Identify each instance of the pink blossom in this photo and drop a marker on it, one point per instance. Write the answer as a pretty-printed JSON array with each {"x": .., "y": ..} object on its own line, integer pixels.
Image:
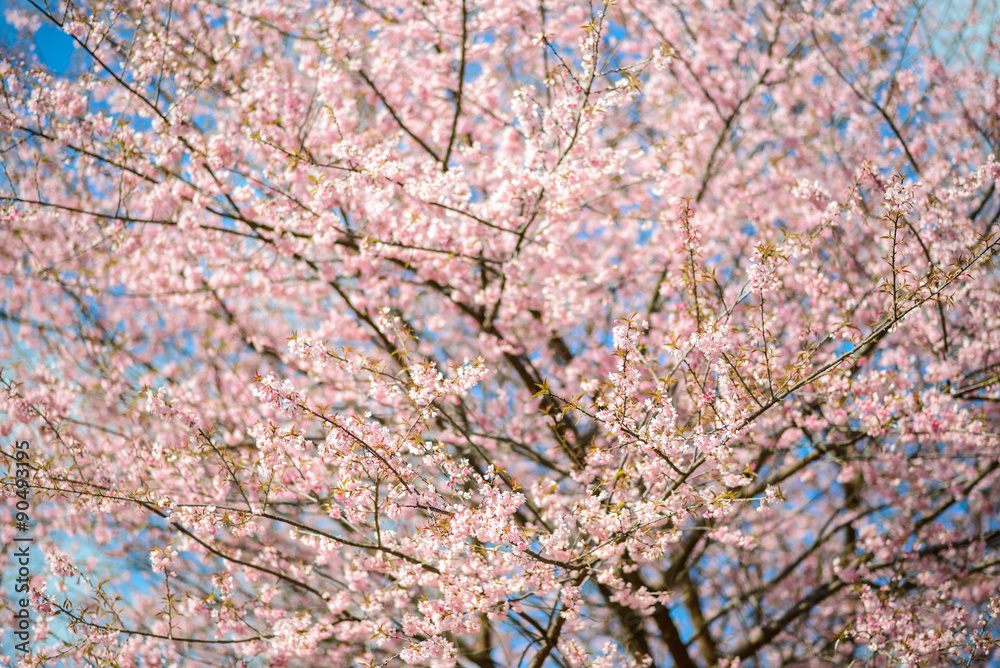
[{"x": 440, "y": 333}]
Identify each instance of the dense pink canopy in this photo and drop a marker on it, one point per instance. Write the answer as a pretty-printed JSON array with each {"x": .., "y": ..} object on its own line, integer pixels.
[{"x": 443, "y": 332}]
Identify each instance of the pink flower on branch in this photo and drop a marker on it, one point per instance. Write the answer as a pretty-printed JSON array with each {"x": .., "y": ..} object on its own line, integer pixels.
[{"x": 458, "y": 333}]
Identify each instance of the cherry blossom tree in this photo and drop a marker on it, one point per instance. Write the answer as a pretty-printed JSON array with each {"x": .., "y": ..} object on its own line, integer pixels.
[{"x": 489, "y": 334}]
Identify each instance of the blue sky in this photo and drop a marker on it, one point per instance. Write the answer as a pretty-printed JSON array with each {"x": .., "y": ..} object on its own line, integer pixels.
[{"x": 53, "y": 47}]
